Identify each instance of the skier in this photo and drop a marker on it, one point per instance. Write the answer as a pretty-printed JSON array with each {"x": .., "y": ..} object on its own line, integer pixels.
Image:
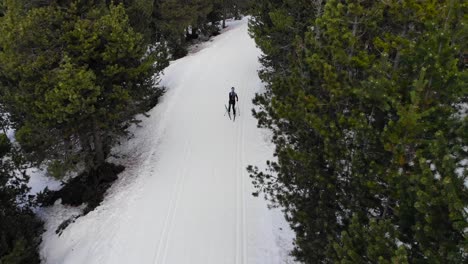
[{"x": 232, "y": 101}]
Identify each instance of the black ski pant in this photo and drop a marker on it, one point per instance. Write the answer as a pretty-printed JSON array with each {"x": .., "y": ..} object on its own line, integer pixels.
[{"x": 233, "y": 107}]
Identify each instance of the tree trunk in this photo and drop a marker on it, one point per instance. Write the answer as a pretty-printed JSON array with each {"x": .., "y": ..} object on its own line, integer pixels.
[
  {"x": 98, "y": 146},
  {"x": 224, "y": 19},
  {"x": 86, "y": 149},
  {"x": 224, "y": 14}
]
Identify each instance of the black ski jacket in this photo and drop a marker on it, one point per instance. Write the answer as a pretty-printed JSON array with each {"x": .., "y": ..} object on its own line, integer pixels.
[{"x": 233, "y": 97}]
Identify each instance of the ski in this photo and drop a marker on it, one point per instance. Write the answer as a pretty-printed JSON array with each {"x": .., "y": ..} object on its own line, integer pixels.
[{"x": 227, "y": 111}]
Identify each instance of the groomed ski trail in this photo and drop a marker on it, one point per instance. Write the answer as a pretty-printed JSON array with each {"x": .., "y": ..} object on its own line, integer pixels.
[{"x": 185, "y": 196}]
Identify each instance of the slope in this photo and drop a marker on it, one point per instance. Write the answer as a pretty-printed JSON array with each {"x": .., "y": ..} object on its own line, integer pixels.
[{"x": 185, "y": 196}]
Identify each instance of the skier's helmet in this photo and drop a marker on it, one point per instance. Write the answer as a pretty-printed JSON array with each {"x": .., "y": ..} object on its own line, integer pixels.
[{"x": 232, "y": 89}]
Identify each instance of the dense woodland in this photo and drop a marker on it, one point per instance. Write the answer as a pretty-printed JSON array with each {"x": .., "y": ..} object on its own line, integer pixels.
[
  {"x": 73, "y": 75},
  {"x": 367, "y": 104},
  {"x": 364, "y": 98}
]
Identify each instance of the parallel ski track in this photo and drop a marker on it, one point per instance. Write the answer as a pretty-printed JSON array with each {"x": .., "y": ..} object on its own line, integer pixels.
[
  {"x": 184, "y": 197},
  {"x": 171, "y": 213},
  {"x": 241, "y": 244},
  {"x": 188, "y": 153},
  {"x": 163, "y": 243},
  {"x": 242, "y": 181}
]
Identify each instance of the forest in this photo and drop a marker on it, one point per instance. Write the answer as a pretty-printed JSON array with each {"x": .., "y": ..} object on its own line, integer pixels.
[
  {"x": 73, "y": 75},
  {"x": 366, "y": 101}
]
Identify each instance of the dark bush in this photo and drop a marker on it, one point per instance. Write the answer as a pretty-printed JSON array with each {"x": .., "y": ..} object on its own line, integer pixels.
[
  {"x": 88, "y": 187},
  {"x": 5, "y": 145}
]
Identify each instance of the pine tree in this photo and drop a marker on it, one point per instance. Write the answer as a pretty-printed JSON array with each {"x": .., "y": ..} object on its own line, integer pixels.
[
  {"x": 177, "y": 22},
  {"x": 19, "y": 227},
  {"x": 73, "y": 81},
  {"x": 139, "y": 13},
  {"x": 2, "y": 8},
  {"x": 362, "y": 99},
  {"x": 180, "y": 21}
]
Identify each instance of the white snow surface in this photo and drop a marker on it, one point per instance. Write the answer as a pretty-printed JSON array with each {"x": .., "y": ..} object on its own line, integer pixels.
[
  {"x": 185, "y": 196},
  {"x": 39, "y": 180}
]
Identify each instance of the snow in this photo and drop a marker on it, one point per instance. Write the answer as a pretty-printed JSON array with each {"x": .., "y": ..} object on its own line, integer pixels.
[
  {"x": 39, "y": 180},
  {"x": 185, "y": 196},
  {"x": 38, "y": 177}
]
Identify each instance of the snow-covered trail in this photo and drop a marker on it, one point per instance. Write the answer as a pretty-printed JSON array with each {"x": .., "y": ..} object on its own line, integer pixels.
[{"x": 185, "y": 196}]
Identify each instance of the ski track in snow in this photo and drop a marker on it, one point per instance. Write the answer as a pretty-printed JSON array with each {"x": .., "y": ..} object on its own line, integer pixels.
[{"x": 185, "y": 196}]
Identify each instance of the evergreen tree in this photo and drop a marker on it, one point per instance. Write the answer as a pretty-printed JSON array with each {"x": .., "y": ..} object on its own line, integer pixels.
[
  {"x": 139, "y": 14},
  {"x": 177, "y": 22},
  {"x": 73, "y": 81},
  {"x": 362, "y": 100},
  {"x": 2, "y": 8},
  {"x": 19, "y": 227},
  {"x": 180, "y": 21}
]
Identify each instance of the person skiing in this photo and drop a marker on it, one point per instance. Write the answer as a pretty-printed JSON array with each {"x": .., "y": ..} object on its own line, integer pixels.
[{"x": 232, "y": 101}]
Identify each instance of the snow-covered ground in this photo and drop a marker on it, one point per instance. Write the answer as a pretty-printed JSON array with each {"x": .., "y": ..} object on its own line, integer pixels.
[
  {"x": 185, "y": 196},
  {"x": 38, "y": 181},
  {"x": 38, "y": 177}
]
